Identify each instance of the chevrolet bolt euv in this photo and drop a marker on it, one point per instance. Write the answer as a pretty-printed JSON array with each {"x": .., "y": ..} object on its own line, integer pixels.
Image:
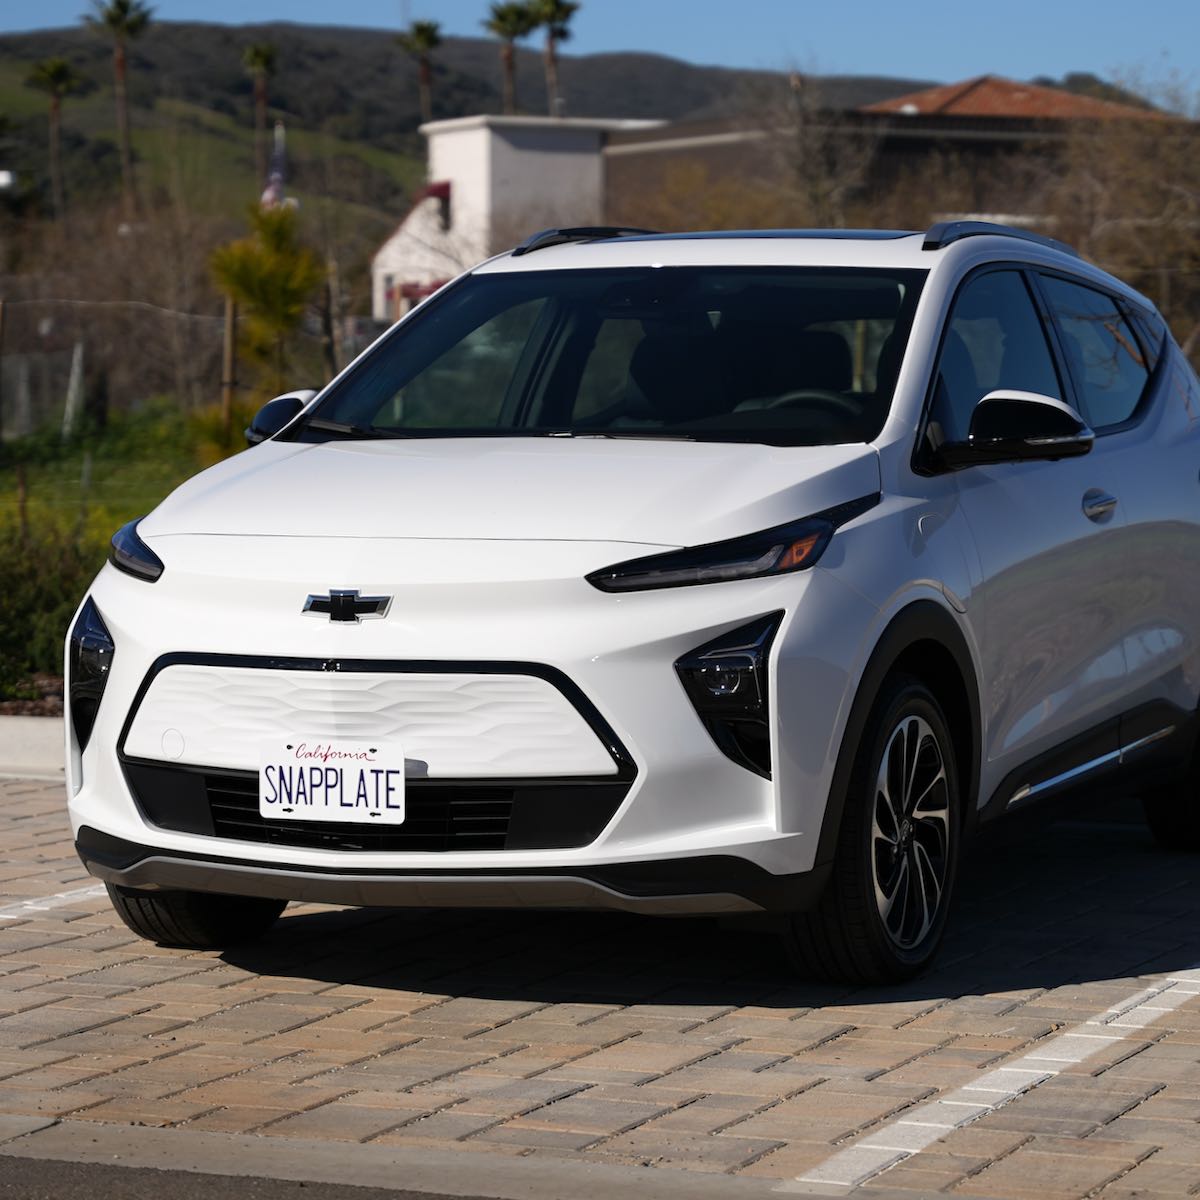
[{"x": 681, "y": 574}]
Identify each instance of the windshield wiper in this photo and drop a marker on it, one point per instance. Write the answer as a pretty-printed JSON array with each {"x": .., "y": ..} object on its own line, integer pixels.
[
  {"x": 350, "y": 430},
  {"x": 653, "y": 435}
]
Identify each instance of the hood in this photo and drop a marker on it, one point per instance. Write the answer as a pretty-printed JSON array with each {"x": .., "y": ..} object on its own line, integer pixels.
[{"x": 522, "y": 489}]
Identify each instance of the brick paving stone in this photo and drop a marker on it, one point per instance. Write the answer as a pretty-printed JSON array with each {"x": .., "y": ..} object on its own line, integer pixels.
[
  {"x": 694, "y": 1152},
  {"x": 926, "y": 1176},
  {"x": 1154, "y": 1176},
  {"x": 589, "y": 1037},
  {"x": 143, "y": 1110},
  {"x": 1072, "y": 1105},
  {"x": 450, "y": 1125},
  {"x": 336, "y": 1121},
  {"x": 791, "y": 1160},
  {"x": 48, "y": 1104},
  {"x": 820, "y": 1114},
  {"x": 1028, "y": 1172},
  {"x": 583, "y": 1113},
  {"x": 516, "y": 1133}
]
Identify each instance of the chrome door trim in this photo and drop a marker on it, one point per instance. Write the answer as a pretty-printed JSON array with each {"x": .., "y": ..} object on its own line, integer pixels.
[{"x": 1028, "y": 791}]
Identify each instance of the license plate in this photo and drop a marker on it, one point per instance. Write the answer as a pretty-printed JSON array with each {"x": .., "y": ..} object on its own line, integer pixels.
[{"x": 323, "y": 779}]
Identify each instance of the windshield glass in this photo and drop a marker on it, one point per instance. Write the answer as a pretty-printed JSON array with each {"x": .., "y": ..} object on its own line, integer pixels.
[{"x": 785, "y": 356}]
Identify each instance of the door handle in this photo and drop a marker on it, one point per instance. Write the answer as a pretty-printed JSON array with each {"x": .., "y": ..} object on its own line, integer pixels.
[{"x": 1097, "y": 505}]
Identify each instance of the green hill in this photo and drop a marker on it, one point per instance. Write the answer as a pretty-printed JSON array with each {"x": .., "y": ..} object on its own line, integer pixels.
[{"x": 348, "y": 97}]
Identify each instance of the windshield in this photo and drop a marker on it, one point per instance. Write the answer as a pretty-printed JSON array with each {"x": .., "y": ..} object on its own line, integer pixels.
[{"x": 784, "y": 356}]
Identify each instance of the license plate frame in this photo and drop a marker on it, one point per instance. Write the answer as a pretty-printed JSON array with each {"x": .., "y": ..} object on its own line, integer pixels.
[{"x": 338, "y": 781}]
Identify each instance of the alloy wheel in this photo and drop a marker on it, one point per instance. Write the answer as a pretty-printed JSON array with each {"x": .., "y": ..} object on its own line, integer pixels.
[{"x": 910, "y": 833}]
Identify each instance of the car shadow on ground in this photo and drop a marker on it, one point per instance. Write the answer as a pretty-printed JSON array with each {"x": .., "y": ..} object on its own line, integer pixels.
[{"x": 1043, "y": 905}]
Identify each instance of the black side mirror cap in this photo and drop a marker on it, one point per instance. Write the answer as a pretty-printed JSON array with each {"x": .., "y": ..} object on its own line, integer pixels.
[
  {"x": 276, "y": 415},
  {"x": 1012, "y": 426}
]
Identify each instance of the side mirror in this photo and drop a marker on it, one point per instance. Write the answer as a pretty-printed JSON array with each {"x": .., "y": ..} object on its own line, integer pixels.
[
  {"x": 275, "y": 414},
  {"x": 1010, "y": 426}
]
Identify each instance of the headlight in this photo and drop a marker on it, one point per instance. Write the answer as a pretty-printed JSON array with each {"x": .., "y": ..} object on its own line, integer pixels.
[
  {"x": 89, "y": 662},
  {"x": 792, "y": 547},
  {"x": 127, "y": 552},
  {"x": 726, "y": 681}
]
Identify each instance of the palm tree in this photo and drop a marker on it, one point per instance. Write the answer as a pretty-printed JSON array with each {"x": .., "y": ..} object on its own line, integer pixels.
[
  {"x": 419, "y": 41},
  {"x": 58, "y": 79},
  {"x": 122, "y": 21},
  {"x": 510, "y": 21},
  {"x": 259, "y": 60},
  {"x": 555, "y": 17}
]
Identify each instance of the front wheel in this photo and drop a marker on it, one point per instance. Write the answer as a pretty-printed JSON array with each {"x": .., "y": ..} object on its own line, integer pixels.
[
  {"x": 194, "y": 920},
  {"x": 882, "y": 916}
]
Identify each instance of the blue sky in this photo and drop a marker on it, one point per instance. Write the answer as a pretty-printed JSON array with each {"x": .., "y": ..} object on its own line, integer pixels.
[{"x": 933, "y": 39}]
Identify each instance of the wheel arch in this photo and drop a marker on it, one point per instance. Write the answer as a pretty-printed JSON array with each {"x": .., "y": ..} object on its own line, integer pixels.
[{"x": 923, "y": 640}]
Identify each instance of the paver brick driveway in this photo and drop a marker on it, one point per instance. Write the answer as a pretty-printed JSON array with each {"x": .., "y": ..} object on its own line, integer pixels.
[{"x": 676, "y": 1044}]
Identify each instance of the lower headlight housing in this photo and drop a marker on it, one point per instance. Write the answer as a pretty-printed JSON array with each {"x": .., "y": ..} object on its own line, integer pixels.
[
  {"x": 726, "y": 681},
  {"x": 90, "y": 659}
]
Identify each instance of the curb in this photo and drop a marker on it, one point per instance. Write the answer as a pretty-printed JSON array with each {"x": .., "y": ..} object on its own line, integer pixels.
[
  {"x": 32, "y": 747},
  {"x": 419, "y": 1169}
]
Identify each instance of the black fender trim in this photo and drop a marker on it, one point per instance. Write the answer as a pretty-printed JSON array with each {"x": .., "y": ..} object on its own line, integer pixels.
[{"x": 921, "y": 621}]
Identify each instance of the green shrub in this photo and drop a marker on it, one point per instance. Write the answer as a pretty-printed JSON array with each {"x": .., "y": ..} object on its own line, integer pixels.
[
  {"x": 45, "y": 576},
  {"x": 78, "y": 493}
]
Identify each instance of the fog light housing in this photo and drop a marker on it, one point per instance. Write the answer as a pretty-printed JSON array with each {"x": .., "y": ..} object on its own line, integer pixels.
[
  {"x": 726, "y": 681},
  {"x": 89, "y": 662}
]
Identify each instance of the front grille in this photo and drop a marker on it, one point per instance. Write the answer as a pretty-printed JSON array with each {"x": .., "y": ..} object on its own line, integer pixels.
[{"x": 440, "y": 815}]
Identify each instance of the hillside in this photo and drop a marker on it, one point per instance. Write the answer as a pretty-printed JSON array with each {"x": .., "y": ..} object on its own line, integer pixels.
[{"x": 349, "y": 98}]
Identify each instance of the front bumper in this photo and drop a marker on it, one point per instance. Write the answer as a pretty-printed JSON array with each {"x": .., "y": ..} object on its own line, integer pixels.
[
  {"x": 684, "y": 801},
  {"x": 711, "y": 884}
]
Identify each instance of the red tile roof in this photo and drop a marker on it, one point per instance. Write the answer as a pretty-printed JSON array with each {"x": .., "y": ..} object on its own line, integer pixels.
[{"x": 993, "y": 96}]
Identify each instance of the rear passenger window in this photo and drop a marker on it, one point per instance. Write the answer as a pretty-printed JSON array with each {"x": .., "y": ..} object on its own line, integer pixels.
[
  {"x": 1105, "y": 356},
  {"x": 994, "y": 340}
]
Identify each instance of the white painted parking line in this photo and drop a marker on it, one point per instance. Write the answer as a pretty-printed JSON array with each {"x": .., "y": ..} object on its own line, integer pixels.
[
  {"x": 920, "y": 1127},
  {"x": 25, "y": 909}
]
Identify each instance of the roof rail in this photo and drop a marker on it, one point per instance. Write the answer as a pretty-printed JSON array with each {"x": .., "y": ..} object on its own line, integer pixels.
[
  {"x": 583, "y": 233},
  {"x": 945, "y": 232}
]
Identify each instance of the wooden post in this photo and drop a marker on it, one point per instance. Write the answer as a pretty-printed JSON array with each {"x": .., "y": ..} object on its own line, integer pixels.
[
  {"x": 1, "y": 368},
  {"x": 22, "y": 505},
  {"x": 228, "y": 370}
]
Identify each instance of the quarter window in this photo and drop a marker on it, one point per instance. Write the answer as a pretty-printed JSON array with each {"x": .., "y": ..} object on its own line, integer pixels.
[
  {"x": 1104, "y": 355},
  {"x": 995, "y": 339}
]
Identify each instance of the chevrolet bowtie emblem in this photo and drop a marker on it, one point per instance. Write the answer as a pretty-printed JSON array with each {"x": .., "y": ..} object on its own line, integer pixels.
[{"x": 341, "y": 605}]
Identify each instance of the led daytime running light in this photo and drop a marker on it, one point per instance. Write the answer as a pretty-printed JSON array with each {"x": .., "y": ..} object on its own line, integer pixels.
[{"x": 792, "y": 547}]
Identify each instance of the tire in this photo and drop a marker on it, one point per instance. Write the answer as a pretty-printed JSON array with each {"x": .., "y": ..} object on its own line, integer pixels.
[
  {"x": 1173, "y": 812},
  {"x": 194, "y": 920},
  {"x": 883, "y": 913}
]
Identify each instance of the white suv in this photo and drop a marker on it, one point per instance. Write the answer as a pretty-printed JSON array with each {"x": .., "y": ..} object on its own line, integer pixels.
[{"x": 700, "y": 573}]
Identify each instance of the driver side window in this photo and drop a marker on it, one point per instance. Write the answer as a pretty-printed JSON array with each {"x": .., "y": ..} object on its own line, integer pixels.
[{"x": 994, "y": 339}]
